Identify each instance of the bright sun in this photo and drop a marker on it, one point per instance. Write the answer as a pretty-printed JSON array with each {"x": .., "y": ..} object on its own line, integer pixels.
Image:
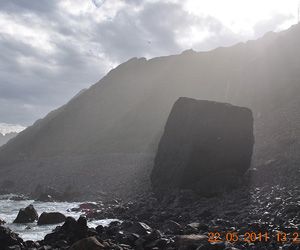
[{"x": 242, "y": 15}]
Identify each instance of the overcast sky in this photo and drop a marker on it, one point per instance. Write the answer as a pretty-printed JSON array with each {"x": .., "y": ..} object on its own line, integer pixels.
[{"x": 51, "y": 49}]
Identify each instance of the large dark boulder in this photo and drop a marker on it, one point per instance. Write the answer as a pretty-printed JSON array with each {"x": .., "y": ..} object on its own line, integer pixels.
[
  {"x": 206, "y": 146},
  {"x": 51, "y": 218},
  {"x": 26, "y": 215}
]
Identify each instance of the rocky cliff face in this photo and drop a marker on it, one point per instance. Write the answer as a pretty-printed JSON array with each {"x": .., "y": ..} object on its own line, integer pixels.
[
  {"x": 206, "y": 146},
  {"x": 127, "y": 109}
]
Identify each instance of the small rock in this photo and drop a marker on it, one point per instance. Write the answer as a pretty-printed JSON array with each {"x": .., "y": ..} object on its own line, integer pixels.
[{"x": 26, "y": 215}]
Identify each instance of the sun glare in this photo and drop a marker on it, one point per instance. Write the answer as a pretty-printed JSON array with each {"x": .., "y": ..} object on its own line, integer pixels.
[{"x": 240, "y": 16}]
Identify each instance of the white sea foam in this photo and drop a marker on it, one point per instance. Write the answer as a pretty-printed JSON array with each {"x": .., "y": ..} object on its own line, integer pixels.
[{"x": 31, "y": 231}]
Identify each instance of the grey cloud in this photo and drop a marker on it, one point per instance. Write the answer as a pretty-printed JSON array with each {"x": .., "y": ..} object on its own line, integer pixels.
[
  {"x": 161, "y": 20},
  {"x": 155, "y": 30},
  {"x": 46, "y": 81},
  {"x": 134, "y": 2},
  {"x": 11, "y": 50},
  {"x": 20, "y": 6},
  {"x": 150, "y": 31},
  {"x": 11, "y": 112}
]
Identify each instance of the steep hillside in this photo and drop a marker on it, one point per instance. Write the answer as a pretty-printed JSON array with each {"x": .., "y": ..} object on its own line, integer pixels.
[{"x": 127, "y": 109}]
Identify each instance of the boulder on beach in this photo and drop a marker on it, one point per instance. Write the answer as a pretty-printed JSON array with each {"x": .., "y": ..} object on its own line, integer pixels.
[
  {"x": 51, "y": 218},
  {"x": 206, "y": 146},
  {"x": 26, "y": 215}
]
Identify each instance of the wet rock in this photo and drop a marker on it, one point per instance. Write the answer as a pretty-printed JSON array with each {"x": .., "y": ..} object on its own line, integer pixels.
[
  {"x": 90, "y": 243},
  {"x": 206, "y": 147},
  {"x": 2, "y": 222},
  {"x": 51, "y": 218},
  {"x": 80, "y": 229},
  {"x": 26, "y": 215},
  {"x": 71, "y": 231},
  {"x": 68, "y": 226},
  {"x": 9, "y": 238},
  {"x": 100, "y": 229}
]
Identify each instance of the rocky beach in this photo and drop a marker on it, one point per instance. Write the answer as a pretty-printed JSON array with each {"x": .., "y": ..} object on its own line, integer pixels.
[
  {"x": 263, "y": 213},
  {"x": 256, "y": 209}
]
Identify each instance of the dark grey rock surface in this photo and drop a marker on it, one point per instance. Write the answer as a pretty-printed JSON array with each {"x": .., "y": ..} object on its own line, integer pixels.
[{"x": 205, "y": 146}]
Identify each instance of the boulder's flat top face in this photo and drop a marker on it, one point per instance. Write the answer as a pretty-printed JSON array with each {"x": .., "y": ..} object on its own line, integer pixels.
[{"x": 203, "y": 142}]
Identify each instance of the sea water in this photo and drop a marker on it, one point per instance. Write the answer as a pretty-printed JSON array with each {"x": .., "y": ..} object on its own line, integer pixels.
[{"x": 9, "y": 210}]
